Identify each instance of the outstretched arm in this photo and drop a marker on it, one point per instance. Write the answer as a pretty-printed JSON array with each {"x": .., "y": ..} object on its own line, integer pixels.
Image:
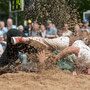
[
  {"x": 42, "y": 57},
  {"x": 68, "y": 51}
]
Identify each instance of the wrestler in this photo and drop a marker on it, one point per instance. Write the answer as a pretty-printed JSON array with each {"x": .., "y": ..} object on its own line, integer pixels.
[
  {"x": 11, "y": 52},
  {"x": 80, "y": 51}
]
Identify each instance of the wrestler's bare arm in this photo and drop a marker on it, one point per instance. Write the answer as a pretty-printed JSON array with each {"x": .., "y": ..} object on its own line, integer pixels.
[{"x": 68, "y": 51}]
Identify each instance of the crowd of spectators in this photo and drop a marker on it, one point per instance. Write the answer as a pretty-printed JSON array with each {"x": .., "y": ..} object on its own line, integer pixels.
[{"x": 46, "y": 31}]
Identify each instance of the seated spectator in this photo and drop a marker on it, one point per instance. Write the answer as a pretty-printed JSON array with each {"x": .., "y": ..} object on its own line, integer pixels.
[
  {"x": 53, "y": 25},
  {"x": 10, "y": 24},
  {"x": 66, "y": 31},
  {"x": 3, "y": 29},
  {"x": 60, "y": 31},
  {"x": 43, "y": 31},
  {"x": 76, "y": 30},
  {"x": 28, "y": 29},
  {"x": 81, "y": 25},
  {"x": 2, "y": 42},
  {"x": 1, "y": 50},
  {"x": 35, "y": 30},
  {"x": 51, "y": 31},
  {"x": 2, "y": 45},
  {"x": 86, "y": 26},
  {"x": 20, "y": 28}
]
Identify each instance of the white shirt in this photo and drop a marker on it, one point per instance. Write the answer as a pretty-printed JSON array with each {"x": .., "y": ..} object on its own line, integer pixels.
[
  {"x": 67, "y": 34},
  {"x": 43, "y": 34},
  {"x": 84, "y": 52}
]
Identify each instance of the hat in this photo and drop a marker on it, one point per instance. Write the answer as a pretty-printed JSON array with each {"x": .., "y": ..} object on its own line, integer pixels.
[
  {"x": 29, "y": 21},
  {"x": 86, "y": 21}
]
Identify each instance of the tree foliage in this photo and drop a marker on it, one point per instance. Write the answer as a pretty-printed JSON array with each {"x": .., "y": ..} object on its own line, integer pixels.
[{"x": 4, "y": 9}]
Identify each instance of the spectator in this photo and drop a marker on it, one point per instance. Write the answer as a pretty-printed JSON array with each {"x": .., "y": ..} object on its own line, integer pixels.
[
  {"x": 76, "y": 30},
  {"x": 20, "y": 28},
  {"x": 81, "y": 25},
  {"x": 28, "y": 29},
  {"x": 3, "y": 29},
  {"x": 10, "y": 24},
  {"x": 2, "y": 42},
  {"x": 53, "y": 25},
  {"x": 43, "y": 31},
  {"x": 66, "y": 31},
  {"x": 51, "y": 31},
  {"x": 35, "y": 30},
  {"x": 2, "y": 48},
  {"x": 60, "y": 31},
  {"x": 84, "y": 35},
  {"x": 86, "y": 26}
]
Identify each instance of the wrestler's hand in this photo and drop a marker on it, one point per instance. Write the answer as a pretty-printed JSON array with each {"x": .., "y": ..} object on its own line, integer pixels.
[{"x": 42, "y": 57}]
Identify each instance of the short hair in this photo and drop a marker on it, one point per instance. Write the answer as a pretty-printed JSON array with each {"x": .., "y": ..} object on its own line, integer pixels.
[
  {"x": 20, "y": 26},
  {"x": 2, "y": 22},
  {"x": 59, "y": 28}
]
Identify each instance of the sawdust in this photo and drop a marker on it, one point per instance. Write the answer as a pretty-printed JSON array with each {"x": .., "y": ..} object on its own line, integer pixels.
[{"x": 47, "y": 80}]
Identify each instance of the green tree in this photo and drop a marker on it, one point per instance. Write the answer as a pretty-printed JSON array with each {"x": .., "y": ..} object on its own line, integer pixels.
[{"x": 4, "y": 9}]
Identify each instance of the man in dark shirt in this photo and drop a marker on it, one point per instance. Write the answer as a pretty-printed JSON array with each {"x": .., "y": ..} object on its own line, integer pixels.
[{"x": 11, "y": 52}]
